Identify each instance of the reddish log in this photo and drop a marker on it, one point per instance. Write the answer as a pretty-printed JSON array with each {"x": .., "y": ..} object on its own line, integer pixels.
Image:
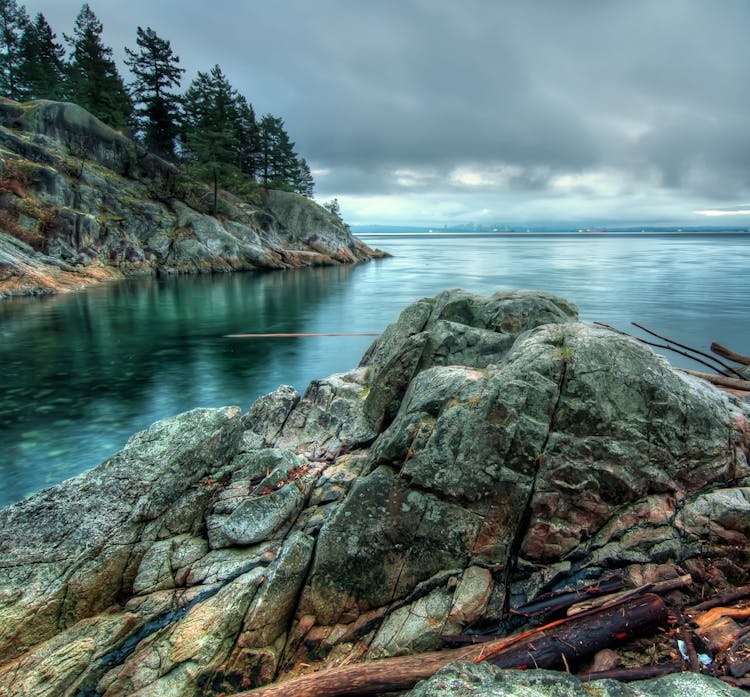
[
  {"x": 571, "y": 641},
  {"x": 581, "y": 637}
]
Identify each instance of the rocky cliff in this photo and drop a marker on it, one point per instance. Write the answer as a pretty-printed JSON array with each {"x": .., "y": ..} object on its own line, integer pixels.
[
  {"x": 80, "y": 202},
  {"x": 486, "y": 450}
]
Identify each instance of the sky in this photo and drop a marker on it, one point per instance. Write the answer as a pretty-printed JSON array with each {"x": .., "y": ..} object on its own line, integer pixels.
[{"x": 440, "y": 113}]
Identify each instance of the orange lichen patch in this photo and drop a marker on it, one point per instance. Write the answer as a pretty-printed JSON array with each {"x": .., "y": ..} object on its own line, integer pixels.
[
  {"x": 43, "y": 279},
  {"x": 300, "y": 257}
]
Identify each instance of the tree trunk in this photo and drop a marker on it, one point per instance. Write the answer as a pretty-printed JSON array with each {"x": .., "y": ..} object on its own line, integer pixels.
[{"x": 216, "y": 193}]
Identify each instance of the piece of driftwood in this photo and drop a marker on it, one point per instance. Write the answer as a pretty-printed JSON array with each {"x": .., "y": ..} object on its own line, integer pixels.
[
  {"x": 668, "y": 347},
  {"x": 582, "y": 637},
  {"x": 724, "y": 352},
  {"x": 631, "y": 674},
  {"x": 722, "y": 598},
  {"x": 738, "y": 656},
  {"x": 720, "y": 635},
  {"x": 693, "y": 354},
  {"x": 708, "y": 618},
  {"x": 722, "y": 380},
  {"x": 568, "y": 639},
  {"x": 687, "y": 640},
  {"x": 656, "y": 587},
  {"x": 553, "y": 602},
  {"x": 692, "y": 350}
]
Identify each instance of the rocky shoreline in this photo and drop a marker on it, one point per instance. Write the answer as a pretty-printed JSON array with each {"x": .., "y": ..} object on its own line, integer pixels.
[
  {"x": 80, "y": 203},
  {"x": 485, "y": 451}
]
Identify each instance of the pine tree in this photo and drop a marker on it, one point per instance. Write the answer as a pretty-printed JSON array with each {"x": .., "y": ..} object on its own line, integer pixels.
[
  {"x": 210, "y": 127},
  {"x": 41, "y": 70},
  {"x": 156, "y": 70},
  {"x": 303, "y": 183},
  {"x": 93, "y": 80},
  {"x": 13, "y": 21},
  {"x": 247, "y": 138},
  {"x": 279, "y": 166}
]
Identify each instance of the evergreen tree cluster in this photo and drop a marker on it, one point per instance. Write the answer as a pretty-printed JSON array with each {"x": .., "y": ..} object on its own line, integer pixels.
[{"x": 211, "y": 128}]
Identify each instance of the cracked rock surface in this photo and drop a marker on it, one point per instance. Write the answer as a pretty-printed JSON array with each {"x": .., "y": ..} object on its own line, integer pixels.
[{"x": 486, "y": 450}]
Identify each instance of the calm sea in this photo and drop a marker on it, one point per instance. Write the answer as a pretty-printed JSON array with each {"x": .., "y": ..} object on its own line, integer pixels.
[{"x": 82, "y": 372}]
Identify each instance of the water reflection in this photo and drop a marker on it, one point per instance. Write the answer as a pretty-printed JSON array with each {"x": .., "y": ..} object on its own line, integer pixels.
[{"x": 82, "y": 372}]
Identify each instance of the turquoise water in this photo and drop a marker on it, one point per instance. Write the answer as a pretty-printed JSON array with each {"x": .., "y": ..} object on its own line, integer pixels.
[{"x": 81, "y": 372}]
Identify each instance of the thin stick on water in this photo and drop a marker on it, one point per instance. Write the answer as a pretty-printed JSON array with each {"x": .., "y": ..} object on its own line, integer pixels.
[
  {"x": 285, "y": 336},
  {"x": 690, "y": 348},
  {"x": 663, "y": 346}
]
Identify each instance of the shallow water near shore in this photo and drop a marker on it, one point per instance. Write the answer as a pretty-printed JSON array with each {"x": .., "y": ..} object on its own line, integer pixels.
[{"x": 82, "y": 372}]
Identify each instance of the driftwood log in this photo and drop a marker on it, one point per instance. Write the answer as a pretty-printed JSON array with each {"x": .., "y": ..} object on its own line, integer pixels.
[
  {"x": 721, "y": 380},
  {"x": 724, "y": 352},
  {"x": 561, "y": 643}
]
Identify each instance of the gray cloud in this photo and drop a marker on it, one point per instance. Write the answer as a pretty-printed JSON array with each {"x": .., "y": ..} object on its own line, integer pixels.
[{"x": 605, "y": 107}]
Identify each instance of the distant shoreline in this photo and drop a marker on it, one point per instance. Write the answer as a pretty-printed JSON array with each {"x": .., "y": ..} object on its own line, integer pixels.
[{"x": 370, "y": 232}]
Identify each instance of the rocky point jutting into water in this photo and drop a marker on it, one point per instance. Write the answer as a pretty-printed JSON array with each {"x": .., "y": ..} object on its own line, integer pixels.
[
  {"x": 79, "y": 202},
  {"x": 486, "y": 450}
]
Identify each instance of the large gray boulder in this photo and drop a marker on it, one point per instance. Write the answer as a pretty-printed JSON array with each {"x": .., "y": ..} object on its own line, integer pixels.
[{"x": 487, "y": 449}]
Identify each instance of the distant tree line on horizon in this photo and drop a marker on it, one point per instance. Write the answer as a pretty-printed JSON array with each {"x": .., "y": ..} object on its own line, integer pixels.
[{"x": 210, "y": 128}]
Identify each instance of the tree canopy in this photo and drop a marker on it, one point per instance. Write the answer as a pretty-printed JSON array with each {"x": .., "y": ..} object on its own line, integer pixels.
[
  {"x": 13, "y": 21},
  {"x": 211, "y": 128},
  {"x": 93, "y": 80},
  {"x": 41, "y": 69},
  {"x": 155, "y": 71}
]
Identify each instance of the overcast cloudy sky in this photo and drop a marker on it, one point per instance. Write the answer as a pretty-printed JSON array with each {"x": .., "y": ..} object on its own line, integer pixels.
[{"x": 441, "y": 112}]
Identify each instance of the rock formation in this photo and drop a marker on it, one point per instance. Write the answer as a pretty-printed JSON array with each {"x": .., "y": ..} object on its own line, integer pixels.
[
  {"x": 467, "y": 680},
  {"x": 80, "y": 202},
  {"x": 485, "y": 450}
]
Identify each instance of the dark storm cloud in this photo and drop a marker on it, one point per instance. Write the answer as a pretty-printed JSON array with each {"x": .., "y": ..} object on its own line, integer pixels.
[{"x": 526, "y": 99}]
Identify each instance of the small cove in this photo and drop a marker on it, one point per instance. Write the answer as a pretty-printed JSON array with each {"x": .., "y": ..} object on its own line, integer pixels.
[{"x": 82, "y": 372}]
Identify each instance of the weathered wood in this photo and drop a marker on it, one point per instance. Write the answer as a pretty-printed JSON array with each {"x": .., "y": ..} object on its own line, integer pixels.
[
  {"x": 580, "y": 638},
  {"x": 734, "y": 383},
  {"x": 560, "y": 601},
  {"x": 656, "y": 587},
  {"x": 384, "y": 675},
  {"x": 720, "y": 634},
  {"x": 631, "y": 674},
  {"x": 614, "y": 623},
  {"x": 709, "y": 617},
  {"x": 687, "y": 639},
  {"x": 668, "y": 347},
  {"x": 724, "y": 352},
  {"x": 738, "y": 656},
  {"x": 727, "y": 596}
]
